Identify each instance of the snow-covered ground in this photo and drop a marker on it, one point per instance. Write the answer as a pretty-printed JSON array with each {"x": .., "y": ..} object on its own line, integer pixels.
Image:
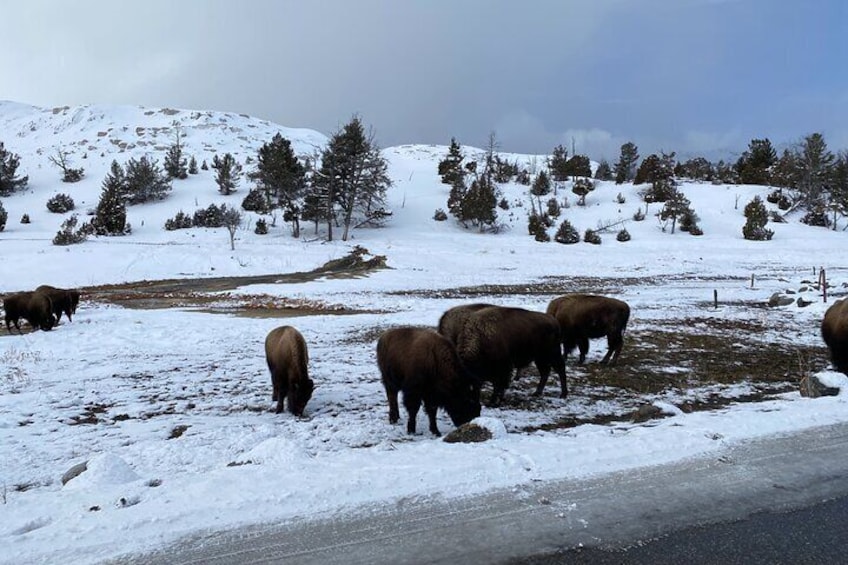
[{"x": 172, "y": 410}]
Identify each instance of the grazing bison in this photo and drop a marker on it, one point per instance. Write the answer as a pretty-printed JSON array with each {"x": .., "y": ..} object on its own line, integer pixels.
[
  {"x": 496, "y": 339},
  {"x": 585, "y": 316},
  {"x": 425, "y": 367},
  {"x": 452, "y": 320},
  {"x": 64, "y": 300},
  {"x": 834, "y": 330},
  {"x": 285, "y": 352},
  {"x": 35, "y": 307}
]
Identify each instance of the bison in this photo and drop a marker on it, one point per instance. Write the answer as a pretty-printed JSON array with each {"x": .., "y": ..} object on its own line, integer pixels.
[
  {"x": 452, "y": 320},
  {"x": 496, "y": 339},
  {"x": 287, "y": 357},
  {"x": 35, "y": 307},
  {"x": 425, "y": 367},
  {"x": 834, "y": 330},
  {"x": 64, "y": 300},
  {"x": 585, "y": 316}
]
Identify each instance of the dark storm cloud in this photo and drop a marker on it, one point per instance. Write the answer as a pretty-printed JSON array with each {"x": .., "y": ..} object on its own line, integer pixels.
[{"x": 686, "y": 75}]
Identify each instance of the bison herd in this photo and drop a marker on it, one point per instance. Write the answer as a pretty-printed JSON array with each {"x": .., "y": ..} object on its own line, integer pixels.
[
  {"x": 42, "y": 308},
  {"x": 474, "y": 343},
  {"x": 443, "y": 368}
]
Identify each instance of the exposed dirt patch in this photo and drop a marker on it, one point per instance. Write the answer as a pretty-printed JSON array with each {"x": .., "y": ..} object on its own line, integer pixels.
[
  {"x": 210, "y": 294},
  {"x": 557, "y": 285}
]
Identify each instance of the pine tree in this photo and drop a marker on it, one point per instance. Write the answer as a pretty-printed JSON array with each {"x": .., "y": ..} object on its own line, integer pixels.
[
  {"x": 579, "y": 166},
  {"x": 815, "y": 165},
  {"x": 697, "y": 168},
  {"x": 192, "y": 166},
  {"x": 228, "y": 173},
  {"x": 676, "y": 206},
  {"x": 785, "y": 173},
  {"x": 281, "y": 177},
  {"x": 581, "y": 188},
  {"x": 838, "y": 188},
  {"x": 480, "y": 201},
  {"x": 558, "y": 164},
  {"x": 754, "y": 165},
  {"x": 757, "y": 217},
  {"x": 541, "y": 187},
  {"x": 144, "y": 181},
  {"x": 9, "y": 163},
  {"x": 451, "y": 166},
  {"x": 567, "y": 233},
  {"x": 655, "y": 167},
  {"x": 110, "y": 217},
  {"x": 4, "y": 216},
  {"x": 354, "y": 177},
  {"x": 625, "y": 168},
  {"x": 537, "y": 228},
  {"x": 603, "y": 172},
  {"x": 175, "y": 161},
  {"x": 456, "y": 196}
]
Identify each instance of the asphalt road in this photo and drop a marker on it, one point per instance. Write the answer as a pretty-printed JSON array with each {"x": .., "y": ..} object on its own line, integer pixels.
[
  {"x": 814, "y": 534},
  {"x": 618, "y": 518}
]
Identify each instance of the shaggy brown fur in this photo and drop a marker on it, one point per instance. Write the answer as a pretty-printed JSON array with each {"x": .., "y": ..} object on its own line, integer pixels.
[
  {"x": 834, "y": 330},
  {"x": 496, "y": 339},
  {"x": 287, "y": 357},
  {"x": 35, "y": 307},
  {"x": 585, "y": 316},
  {"x": 452, "y": 320},
  {"x": 64, "y": 300},
  {"x": 425, "y": 367}
]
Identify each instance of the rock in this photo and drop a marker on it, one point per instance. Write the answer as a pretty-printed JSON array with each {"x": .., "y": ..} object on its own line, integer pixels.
[
  {"x": 74, "y": 472},
  {"x": 812, "y": 387},
  {"x": 468, "y": 433},
  {"x": 789, "y": 291},
  {"x": 778, "y": 299},
  {"x": 645, "y": 413},
  {"x": 803, "y": 302},
  {"x": 803, "y": 289}
]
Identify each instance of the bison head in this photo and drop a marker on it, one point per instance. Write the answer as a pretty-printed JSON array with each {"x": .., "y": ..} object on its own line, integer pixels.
[
  {"x": 464, "y": 405},
  {"x": 302, "y": 393}
]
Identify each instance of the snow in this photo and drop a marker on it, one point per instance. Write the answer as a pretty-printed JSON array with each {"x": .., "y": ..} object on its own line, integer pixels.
[{"x": 183, "y": 438}]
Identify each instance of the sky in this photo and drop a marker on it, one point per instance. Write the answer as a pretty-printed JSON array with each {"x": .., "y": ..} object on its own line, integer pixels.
[
  {"x": 114, "y": 386},
  {"x": 691, "y": 76}
]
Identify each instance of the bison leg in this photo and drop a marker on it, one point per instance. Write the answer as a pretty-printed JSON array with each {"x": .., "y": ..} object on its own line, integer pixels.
[
  {"x": 412, "y": 403},
  {"x": 544, "y": 371},
  {"x": 275, "y": 394},
  {"x": 431, "y": 409},
  {"x": 282, "y": 388},
  {"x": 615, "y": 341},
  {"x": 583, "y": 345},
  {"x": 499, "y": 384},
  {"x": 394, "y": 412}
]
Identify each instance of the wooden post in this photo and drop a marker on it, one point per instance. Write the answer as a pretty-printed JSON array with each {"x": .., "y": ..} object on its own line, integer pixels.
[
  {"x": 823, "y": 283},
  {"x": 715, "y": 298},
  {"x": 752, "y": 280}
]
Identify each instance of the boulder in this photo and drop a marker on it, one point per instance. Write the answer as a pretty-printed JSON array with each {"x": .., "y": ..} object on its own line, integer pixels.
[
  {"x": 74, "y": 472},
  {"x": 813, "y": 387},
  {"x": 778, "y": 299}
]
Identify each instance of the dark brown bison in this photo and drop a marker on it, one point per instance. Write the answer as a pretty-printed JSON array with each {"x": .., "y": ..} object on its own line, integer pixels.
[
  {"x": 834, "y": 330},
  {"x": 496, "y": 339},
  {"x": 585, "y": 316},
  {"x": 452, "y": 320},
  {"x": 425, "y": 367},
  {"x": 287, "y": 357},
  {"x": 35, "y": 307},
  {"x": 64, "y": 300}
]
